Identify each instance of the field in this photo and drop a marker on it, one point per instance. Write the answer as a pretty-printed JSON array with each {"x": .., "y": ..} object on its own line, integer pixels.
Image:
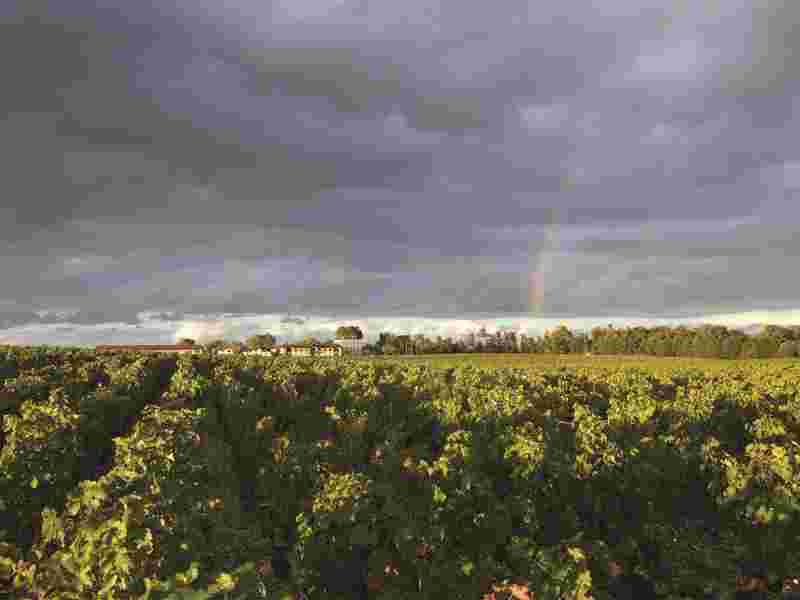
[
  {"x": 135, "y": 477},
  {"x": 547, "y": 362}
]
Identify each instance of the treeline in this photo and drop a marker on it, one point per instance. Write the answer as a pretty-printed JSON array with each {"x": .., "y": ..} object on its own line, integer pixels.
[{"x": 708, "y": 341}]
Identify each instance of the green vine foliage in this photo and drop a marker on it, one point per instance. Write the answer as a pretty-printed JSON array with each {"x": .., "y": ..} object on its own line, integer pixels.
[{"x": 128, "y": 477}]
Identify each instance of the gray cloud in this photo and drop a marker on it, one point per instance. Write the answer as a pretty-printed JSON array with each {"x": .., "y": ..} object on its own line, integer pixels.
[
  {"x": 10, "y": 318},
  {"x": 396, "y": 159},
  {"x": 292, "y": 321},
  {"x": 768, "y": 62},
  {"x": 751, "y": 239}
]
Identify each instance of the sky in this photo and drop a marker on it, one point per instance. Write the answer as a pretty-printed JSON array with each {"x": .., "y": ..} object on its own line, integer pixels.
[{"x": 206, "y": 169}]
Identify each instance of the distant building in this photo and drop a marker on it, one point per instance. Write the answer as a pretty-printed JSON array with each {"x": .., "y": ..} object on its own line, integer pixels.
[
  {"x": 292, "y": 350},
  {"x": 354, "y": 346},
  {"x": 329, "y": 350},
  {"x": 259, "y": 352},
  {"x": 299, "y": 350},
  {"x": 306, "y": 350},
  {"x": 403, "y": 343},
  {"x": 152, "y": 348}
]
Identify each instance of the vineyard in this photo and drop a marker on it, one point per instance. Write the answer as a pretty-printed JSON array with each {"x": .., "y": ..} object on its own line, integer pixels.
[
  {"x": 240, "y": 477},
  {"x": 538, "y": 362}
]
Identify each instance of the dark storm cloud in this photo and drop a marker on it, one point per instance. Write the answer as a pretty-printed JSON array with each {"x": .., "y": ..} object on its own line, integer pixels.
[
  {"x": 422, "y": 158},
  {"x": 354, "y": 83},
  {"x": 742, "y": 240},
  {"x": 12, "y": 318},
  {"x": 768, "y": 66},
  {"x": 116, "y": 137}
]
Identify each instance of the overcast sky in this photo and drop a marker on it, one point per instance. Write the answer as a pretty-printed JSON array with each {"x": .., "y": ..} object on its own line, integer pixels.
[{"x": 207, "y": 168}]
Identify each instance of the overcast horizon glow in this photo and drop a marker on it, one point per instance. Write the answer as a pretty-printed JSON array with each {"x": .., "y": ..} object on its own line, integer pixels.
[{"x": 417, "y": 167}]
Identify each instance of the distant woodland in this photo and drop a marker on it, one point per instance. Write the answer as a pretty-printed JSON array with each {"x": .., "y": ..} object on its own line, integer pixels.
[{"x": 709, "y": 341}]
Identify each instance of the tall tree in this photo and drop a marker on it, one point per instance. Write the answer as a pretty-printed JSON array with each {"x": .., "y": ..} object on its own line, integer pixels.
[
  {"x": 732, "y": 346},
  {"x": 216, "y": 345},
  {"x": 351, "y": 333},
  {"x": 788, "y": 349},
  {"x": 766, "y": 346},
  {"x": 559, "y": 340},
  {"x": 263, "y": 341}
]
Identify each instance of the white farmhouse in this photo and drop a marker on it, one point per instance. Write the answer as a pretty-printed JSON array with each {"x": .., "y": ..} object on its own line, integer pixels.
[{"x": 354, "y": 346}]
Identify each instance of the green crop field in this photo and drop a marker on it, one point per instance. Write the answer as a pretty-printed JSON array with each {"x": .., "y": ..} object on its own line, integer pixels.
[
  {"x": 143, "y": 477},
  {"x": 545, "y": 362}
]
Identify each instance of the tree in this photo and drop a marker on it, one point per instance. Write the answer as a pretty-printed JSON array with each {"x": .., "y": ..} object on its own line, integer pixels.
[
  {"x": 732, "y": 346},
  {"x": 685, "y": 344},
  {"x": 263, "y": 341},
  {"x": 777, "y": 332},
  {"x": 349, "y": 332},
  {"x": 384, "y": 338},
  {"x": 766, "y": 346},
  {"x": 706, "y": 345},
  {"x": 749, "y": 348},
  {"x": 216, "y": 345},
  {"x": 559, "y": 340}
]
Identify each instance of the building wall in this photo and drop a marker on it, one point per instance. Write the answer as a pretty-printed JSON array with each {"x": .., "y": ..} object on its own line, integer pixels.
[
  {"x": 291, "y": 350},
  {"x": 330, "y": 351},
  {"x": 351, "y": 345}
]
